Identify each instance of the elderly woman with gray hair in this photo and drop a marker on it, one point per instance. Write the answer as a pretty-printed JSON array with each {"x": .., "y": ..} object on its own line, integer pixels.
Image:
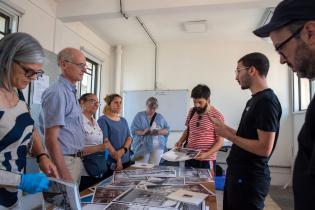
[
  {"x": 21, "y": 61},
  {"x": 150, "y": 131}
]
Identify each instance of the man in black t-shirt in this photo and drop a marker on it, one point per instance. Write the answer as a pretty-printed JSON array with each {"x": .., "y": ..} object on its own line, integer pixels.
[
  {"x": 292, "y": 31},
  {"x": 248, "y": 177}
]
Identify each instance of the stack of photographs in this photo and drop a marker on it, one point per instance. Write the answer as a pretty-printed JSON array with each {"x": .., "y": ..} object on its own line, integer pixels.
[{"x": 148, "y": 189}]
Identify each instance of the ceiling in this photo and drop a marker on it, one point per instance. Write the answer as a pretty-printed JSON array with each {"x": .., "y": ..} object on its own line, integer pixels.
[{"x": 226, "y": 19}]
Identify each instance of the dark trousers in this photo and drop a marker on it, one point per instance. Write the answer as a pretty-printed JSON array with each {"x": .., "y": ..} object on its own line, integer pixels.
[
  {"x": 245, "y": 192},
  {"x": 201, "y": 164},
  {"x": 88, "y": 181}
]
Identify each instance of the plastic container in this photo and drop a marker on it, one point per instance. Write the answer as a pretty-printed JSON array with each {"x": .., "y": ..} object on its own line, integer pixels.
[{"x": 219, "y": 182}]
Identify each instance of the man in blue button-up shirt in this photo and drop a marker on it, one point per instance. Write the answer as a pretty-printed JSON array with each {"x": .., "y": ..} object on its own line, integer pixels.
[{"x": 62, "y": 116}]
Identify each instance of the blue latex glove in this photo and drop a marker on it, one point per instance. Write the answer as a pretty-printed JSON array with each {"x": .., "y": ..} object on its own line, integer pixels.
[{"x": 33, "y": 183}]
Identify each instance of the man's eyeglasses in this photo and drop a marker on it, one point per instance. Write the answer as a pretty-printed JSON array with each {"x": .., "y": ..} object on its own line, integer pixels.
[
  {"x": 30, "y": 72},
  {"x": 94, "y": 102},
  {"x": 237, "y": 70},
  {"x": 279, "y": 46},
  {"x": 198, "y": 122},
  {"x": 81, "y": 66}
]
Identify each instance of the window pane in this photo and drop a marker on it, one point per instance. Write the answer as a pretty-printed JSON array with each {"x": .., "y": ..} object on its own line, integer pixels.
[
  {"x": 312, "y": 88},
  {"x": 305, "y": 93},
  {"x": 2, "y": 24},
  {"x": 86, "y": 84},
  {"x": 296, "y": 93}
]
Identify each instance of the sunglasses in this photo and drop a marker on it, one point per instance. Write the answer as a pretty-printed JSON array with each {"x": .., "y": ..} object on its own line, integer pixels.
[
  {"x": 30, "y": 72},
  {"x": 198, "y": 122}
]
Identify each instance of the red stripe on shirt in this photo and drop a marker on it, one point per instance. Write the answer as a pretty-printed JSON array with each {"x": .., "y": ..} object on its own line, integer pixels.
[{"x": 204, "y": 136}]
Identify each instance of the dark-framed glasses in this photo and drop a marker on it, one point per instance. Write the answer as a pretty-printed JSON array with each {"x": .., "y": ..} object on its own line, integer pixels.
[
  {"x": 30, "y": 72},
  {"x": 81, "y": 66},
  {"x": 94, "y": 102},
  {"x": 279, "y": 46},
  {"x": 198, "y": 121},
  {"x": 238, "y": 70}
]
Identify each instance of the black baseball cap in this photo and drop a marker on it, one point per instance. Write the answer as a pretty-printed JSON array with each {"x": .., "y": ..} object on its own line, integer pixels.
[{"x": 286, "y": 12}]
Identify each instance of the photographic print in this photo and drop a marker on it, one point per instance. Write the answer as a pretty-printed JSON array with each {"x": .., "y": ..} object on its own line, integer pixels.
[
  {"x": 144, "y": 197},
  {"x": 163, "y": 181},
  {"x": 196, "y": 175},
  {"x": 166, "y": 190},
  {"x": 154, "y": 172},
  {"x": 62, "y": 194},
  {"x": 180, "y": 154},
  {"x": 129, "y": 206},
  {"x": 123, "y": 183},
  {"x": 106, "y": 195},
  {"x": 122, "y": 176}
]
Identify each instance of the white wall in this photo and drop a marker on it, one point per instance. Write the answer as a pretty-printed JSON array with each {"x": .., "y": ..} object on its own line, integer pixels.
[
  {"x": 39, "y": 20},
  {"x": 182, "y": 65}
]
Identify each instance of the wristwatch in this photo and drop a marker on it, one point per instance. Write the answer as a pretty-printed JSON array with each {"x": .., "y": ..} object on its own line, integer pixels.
[{"x": 125, "y": 149}]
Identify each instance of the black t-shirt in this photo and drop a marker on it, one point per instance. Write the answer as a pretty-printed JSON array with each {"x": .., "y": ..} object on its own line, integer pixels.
[
  {"x": 263, "y": 112},
  {"x": 304, "y": 167}
]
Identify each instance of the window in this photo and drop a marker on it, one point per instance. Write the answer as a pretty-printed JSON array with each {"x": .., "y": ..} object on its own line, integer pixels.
[
  {"x": 303, "y": 90},
  {"x": 89, "y": 83},
  {"x": 9, "y": 19},
  {"x": 4, "y": 24}
]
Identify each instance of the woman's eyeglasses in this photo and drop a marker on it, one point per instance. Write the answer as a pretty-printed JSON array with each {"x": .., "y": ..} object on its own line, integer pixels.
[
  {"x": 30, "y": 72},
  {"x": 198, "y": 121}
]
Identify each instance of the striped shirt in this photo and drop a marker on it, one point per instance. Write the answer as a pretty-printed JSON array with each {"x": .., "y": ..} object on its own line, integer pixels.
[{"x": 202, "y": 135}]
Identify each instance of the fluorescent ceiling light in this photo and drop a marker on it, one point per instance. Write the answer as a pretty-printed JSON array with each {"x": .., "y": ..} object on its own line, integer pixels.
[{"x": 196, "y": 26}]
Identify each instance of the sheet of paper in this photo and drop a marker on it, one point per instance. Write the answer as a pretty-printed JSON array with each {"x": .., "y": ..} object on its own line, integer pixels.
[{"x": 40, "y": 85}]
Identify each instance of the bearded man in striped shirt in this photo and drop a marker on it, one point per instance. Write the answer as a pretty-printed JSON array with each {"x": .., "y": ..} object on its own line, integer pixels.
[{"x": 200, "y": 133}]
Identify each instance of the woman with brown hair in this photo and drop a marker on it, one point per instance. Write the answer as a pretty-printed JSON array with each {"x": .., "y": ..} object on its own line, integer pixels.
[{"x": 116, "y": 129}]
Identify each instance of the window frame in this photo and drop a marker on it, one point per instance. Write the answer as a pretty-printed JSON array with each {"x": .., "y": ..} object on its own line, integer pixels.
[
  {"x": 7, "y": 19},
  {"x": 297, "y": 93}
]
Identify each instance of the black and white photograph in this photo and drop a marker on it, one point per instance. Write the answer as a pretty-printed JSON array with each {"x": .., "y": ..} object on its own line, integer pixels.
[
  {"x": 167, "y": 189},
  {"x": 123, "y": 184},
  {"x": 148, "y": 198},
  {"x": 122, "y": 176},
  {"x": 129, "y": 206},
  {"x": 196, "y": 175},
  {"x": 106, "y": 195},
  {"x": 154, "y": 172},
  {"x": 163, "y": 181},
  {"x": 180, "y": 154},
  {"x": 62, "y": 194}
]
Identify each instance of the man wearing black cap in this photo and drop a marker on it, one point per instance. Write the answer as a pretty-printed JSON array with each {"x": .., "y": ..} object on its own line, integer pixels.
[{"x": 292, "y": 31}]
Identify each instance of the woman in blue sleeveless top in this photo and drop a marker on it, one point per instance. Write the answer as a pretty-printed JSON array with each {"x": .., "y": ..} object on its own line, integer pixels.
[{"x": 21, "y": 60}]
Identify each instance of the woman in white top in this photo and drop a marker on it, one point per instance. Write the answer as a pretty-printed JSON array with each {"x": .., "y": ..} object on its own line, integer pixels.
[{"x": 95, "y": 145}]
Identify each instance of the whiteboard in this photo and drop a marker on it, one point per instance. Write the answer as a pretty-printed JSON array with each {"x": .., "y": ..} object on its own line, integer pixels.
[{"x": 173, "y": 105}]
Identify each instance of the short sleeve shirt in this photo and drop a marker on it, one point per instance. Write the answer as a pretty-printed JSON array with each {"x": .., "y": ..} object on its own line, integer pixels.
[
  {"x": 117, "y": 132},
  {"x": 61, "y": 107},
  {"x": 202, "y": 135},
  {"x": 263, "y": 111}
]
